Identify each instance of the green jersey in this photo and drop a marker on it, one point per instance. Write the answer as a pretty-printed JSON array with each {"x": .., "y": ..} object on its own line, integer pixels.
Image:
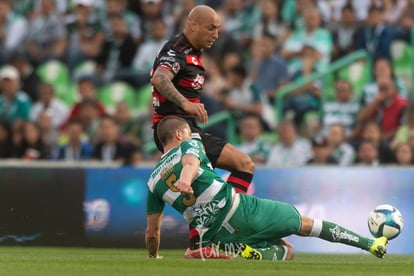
[{"x": 206, "y": 209}]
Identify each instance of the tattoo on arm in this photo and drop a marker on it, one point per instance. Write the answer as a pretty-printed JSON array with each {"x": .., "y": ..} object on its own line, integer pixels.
[{"x": 165, "y": 87}]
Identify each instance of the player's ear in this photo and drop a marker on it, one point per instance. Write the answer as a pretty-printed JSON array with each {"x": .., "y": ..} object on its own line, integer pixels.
[{"x": 178, "y": 134}]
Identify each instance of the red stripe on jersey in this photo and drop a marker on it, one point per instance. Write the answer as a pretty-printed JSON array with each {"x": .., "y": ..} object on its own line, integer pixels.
[
  {"x": 158, "y": 96},
  {"x": 194, "y": 60},
  {"x": 166, "y": 67}
]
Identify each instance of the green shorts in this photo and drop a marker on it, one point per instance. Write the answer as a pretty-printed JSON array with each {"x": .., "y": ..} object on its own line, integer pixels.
[{"x": 259, "y": 223}]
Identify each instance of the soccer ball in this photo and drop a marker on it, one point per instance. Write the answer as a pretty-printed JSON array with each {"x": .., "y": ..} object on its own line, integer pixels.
[{"x": 385, "y": 220}]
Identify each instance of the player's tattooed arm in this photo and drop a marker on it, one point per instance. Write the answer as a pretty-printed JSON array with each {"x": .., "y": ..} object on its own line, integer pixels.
[
  {"x": 152, "y": 234},
  {"x": 163, "y": 84}
]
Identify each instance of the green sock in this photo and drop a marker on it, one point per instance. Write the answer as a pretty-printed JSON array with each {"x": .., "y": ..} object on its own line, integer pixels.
[
  {"x": 273, "y": 253},
  {"x": 334, "y": 233}
]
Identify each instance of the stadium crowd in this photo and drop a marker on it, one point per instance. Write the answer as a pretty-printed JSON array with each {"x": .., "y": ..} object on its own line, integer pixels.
[{"x": 263, "y": 45}]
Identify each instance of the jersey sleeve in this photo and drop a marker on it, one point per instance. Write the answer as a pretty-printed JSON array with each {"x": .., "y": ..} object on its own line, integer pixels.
[
  {"x": 193, "y": 147},
  {"x": 171, "y": 59},
  {"x": 154, "y": 204}
]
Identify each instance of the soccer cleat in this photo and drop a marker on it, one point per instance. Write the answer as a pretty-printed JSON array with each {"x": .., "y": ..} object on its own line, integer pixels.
[
  {"x": 378, "y": 248},
  {"x": 249, "y": 253},
  {"x": 205, "y": 253}
]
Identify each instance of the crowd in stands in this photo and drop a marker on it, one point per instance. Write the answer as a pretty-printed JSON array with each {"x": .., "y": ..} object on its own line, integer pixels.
[{"x": 61, "y": 60}]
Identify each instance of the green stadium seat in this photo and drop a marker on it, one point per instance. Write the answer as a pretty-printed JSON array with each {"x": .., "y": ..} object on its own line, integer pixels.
[
  {"x": 57, "y": 74},
  {"x": 116, "y": 92},
  {"x": 144, "y": 98},
  {"x": 358, "y": 74},
  {"x": 402, "y": 60}
]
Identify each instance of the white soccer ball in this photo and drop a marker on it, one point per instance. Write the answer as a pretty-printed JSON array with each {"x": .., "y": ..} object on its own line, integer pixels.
[{"x": 385, "y": 220}]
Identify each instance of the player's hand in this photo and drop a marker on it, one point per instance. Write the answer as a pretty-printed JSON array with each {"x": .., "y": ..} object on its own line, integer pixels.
[
  {"x": 196, "y": 109},
  {"x": 184, "y": 187}
]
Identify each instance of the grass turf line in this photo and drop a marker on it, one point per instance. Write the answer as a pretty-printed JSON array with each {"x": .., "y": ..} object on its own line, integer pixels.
[{"x": 93, "y": 261}]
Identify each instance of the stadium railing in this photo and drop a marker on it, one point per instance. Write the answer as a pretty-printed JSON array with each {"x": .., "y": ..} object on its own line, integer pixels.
[{"x": 324, "y": 76}]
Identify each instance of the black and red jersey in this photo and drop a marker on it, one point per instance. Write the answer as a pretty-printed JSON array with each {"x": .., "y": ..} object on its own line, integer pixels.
[{"x": 184, "y": 61}]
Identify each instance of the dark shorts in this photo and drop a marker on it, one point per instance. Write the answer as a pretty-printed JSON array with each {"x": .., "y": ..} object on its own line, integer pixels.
[{"x": 212, "y": 144}]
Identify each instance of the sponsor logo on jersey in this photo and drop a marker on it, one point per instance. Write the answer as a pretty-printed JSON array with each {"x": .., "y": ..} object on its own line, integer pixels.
[
  {"x": 165, "y": 58},
  {"x": 188, "y": 50},
  {"x": 171, "y": 53},
  {"x": 194, "y": 60}
]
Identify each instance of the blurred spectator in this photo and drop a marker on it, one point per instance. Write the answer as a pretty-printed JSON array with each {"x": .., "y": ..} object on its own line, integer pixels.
[
  {"x": 24, "y": 7},
  {"x": 403, "y": 132},
  {"x": 240, "y": 18},
  {"x": 49, "y": 133},
  {"x": 360, "y": 7},
  {"x": 13, "y": 31},
  {"x": 320, "y": 153},
  {"x": 268, "y": 70},
  {"x": 371, "y": 132},
  {"x": 117, "y": 51},
  {"x": 47, "y": 102},
  {"x": 293, "y": 11},
  {"x": 119, "y": 8},
  {"x": 142, "y": 62},
  {"x": 313, "y": 34},
  {"x": 387, "y": 109},
  {"x": 14, "y": 103},
  {"x": 29, "y": 79},
  {"x": 87, "y": 90},
  {"x": 340, "y": 150},
  {"x": 130, "y": 129},
  {"x": 89, "y": 117},
  {"x": 251, "y": 142},
  {"x": 225, "y": 48},
  {"x": 402, "y": 28},
  {"x": 151, "y": 10},
  {"x": 291, "y": 150},
  {"x": 375, "y": 36},
  {"x": 31, "y": 146},
  {"x": 109, "y": 148},
  {"x": 382, "y": 70},
  {"x": 76, "y": 148},
  {"x": 6, "y": 141},
  {"x": 404, "y": 155},
  {"x": 368, "y": 154},
  {"x": 306, "y": 98},
  {"x": 181, "y": 10},
  {"x": 271, "y": 22},
  {"x": 343, "y": 110},
  {"x": 393, "y": 10},
  {"x": 47, "y": 34},
  {"x": 84, "y": 33},
  {"x": 241, "y": 95},
  {"x": 344, "y": 33}
]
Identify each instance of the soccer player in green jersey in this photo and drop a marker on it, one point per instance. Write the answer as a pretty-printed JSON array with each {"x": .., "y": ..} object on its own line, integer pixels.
[{"x": 240, "y": 224}]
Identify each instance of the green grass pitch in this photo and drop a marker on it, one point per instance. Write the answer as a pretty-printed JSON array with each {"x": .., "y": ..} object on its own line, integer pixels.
[{"x": 92, "y": 261}]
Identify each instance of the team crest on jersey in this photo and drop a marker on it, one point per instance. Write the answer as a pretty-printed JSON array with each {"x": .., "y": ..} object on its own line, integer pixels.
[
  {"x": 175, "y": 67},
  {"x": 198, "y": 82},
  {"x": 194, "y": 60}
]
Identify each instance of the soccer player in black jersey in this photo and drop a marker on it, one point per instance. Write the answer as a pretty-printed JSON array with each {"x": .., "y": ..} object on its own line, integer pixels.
[{"x": 177, "y": 79}]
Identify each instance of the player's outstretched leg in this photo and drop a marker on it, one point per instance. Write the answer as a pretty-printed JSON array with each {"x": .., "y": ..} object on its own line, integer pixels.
[{"x": 333, "y": 232}]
